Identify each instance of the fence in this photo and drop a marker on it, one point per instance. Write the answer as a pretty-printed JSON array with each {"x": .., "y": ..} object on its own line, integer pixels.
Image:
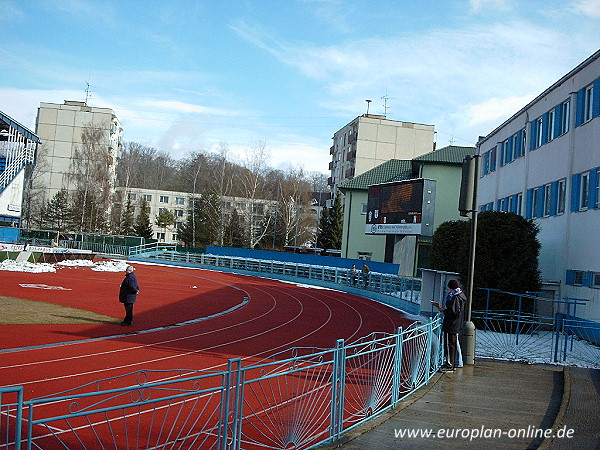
[
  {"x": 400, "y": 292},
  {"x": 530, "y": 328},
  {"x": 296, "y": 399}
]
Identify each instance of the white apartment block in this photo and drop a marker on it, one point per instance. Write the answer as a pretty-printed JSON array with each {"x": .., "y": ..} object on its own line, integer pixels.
[
  {"x": 544, "y": 164},
  {"x": 59, "y": 127},
  {"x": 180, "y": 204},
  {"x": 370, "y": 140}
]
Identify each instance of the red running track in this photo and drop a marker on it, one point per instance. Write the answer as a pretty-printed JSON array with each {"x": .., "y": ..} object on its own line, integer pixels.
[{"x": 47, "y": 359}]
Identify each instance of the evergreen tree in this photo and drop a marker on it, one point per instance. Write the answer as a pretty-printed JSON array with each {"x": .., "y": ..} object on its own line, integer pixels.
[
  {"x": 323, "y": 237},
  {"x": 331, "y": 226},
  {"x": 336, "y": 218},
  {"x": 57, "y": 211},
  {"x": 143, "y": 227},
  {"x": 506, "y": 254},
  {"x": 127, "y": 221},
  {"x": 164, "y": 219},
  {"x": 234, "y": 231},
  {"x": 203, "y": 226}
]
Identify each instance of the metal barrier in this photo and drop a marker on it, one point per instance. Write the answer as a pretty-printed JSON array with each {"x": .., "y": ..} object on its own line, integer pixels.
[
  {"x": 526, "y": 327},
  {"x": 394, "y": 290},
  {"x": 295, "y": 399}
]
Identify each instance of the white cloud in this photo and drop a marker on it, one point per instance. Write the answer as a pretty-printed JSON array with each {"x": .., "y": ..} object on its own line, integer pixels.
[
  {"x": 192, "y": 108},
  {"x": 496, "y": 108},
  {"x": 590, "y": 8},
  {"x": 478, "y": 5}
]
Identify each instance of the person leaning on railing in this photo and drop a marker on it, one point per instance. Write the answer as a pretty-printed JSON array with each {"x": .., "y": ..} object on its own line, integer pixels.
[{"x": 452, "y": 323}]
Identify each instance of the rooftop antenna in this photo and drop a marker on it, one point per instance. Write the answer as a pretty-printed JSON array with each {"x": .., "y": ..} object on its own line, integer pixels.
[
  {"x": 368, "y": 103},
  {"x": 88, "y": 92},
  {"x": 386, "y": 107}
]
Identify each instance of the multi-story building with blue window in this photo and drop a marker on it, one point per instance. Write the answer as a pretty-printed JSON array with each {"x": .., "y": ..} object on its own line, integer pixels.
[{"x": 543, "y": 163}]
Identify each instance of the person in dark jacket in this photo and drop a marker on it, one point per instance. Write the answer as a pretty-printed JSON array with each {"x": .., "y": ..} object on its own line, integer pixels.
[
  {"x": 452, "y": 323},
  {"x": 128, "y": 293}
]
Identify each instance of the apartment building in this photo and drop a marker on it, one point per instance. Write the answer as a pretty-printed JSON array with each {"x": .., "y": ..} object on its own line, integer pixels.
[
  {"x": 64, "y": 130},
  {"x": 370, "y": 140},
  {"x": 543, "y": 163},
  {"x": 181, "y": 204}
]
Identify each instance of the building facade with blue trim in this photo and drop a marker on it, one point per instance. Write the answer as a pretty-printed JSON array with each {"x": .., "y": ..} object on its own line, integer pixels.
[{"x": 543, "y": 163}]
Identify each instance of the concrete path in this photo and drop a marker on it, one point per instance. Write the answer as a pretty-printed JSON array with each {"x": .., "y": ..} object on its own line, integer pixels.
[{"x": 500, "y": 405}]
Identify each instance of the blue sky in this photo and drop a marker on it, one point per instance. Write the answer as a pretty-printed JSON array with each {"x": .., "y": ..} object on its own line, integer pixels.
[{"x": 186, "y": 75}]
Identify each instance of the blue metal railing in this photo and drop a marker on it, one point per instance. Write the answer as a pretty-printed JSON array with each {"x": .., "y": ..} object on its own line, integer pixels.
[
  {"x": 528, "y": 327},
  {"x": 394, "y": 290},
  {"x": 297, "y": 399}
]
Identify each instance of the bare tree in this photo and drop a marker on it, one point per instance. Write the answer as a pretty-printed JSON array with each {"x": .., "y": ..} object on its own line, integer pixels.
[
  {"x": 92, "y": 171},
  {"x": 252, "y": 181}
]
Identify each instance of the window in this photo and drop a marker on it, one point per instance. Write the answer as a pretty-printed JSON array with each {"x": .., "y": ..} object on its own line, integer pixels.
[
  {"x": 523, "y": 140},
  {"x": 565, "y": 117},
  {"x": 164, "y": 199},
  {"x": 162, "y": 210},
  {"x": 148, "y": 197},
  {"x": 597, "y": 190},
  {"x": 584, "y": 191},
  {"x": 596, "y": 279},
  {"x": 175, "y": 237},
  {"x": 547, "y": 199},
  {"x": 562, "y": 189},
  {"x": 551, "y": 130},
  {"x": 517, "y": 203},
  {"x": 365, "y": 255},
  {"x": 179, "y": 201},
  {"x": 179, "y": 213},
  {"x": 363, "y": 209},
  {"x": 589, "y": 103},
  {"x": 539, "y": 132},
  {"x": 578, "y": 277},
  {"x": 534, "y": 203},
  {"x": 132, "y": 196},
  {"x": 160, "y": 236}
]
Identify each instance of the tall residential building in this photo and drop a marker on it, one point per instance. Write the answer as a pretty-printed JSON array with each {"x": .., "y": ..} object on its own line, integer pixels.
[
  {"x": 544, "y": 164},
  {"x": 66, "y": 131},
  {"x": 370, "y": 140}
]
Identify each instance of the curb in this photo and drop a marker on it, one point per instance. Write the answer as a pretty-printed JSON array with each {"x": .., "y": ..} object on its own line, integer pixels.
[{"x": 564, "y": 403}]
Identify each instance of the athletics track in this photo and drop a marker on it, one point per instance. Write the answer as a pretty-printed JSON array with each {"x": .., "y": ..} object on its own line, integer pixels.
[{"x": 185, "y": 318}]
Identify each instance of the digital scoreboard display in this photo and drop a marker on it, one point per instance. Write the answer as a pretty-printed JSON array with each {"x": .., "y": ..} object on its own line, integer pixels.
[{"x": 403, "y": 207}]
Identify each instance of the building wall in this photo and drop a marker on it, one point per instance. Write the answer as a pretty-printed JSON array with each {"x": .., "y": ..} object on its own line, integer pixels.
[
  {"x": 554, "y": 157},
  {"x": 447, "y": 191},
  {"x": 369, "y": 141},
  {"x": 180, "y": 204},
  {"x": 355, "y": 243},
  {"x": 60, "y": 129}
]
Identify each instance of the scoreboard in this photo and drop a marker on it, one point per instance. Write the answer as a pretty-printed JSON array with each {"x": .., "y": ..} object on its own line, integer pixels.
[{"x": 402, "y": 207}]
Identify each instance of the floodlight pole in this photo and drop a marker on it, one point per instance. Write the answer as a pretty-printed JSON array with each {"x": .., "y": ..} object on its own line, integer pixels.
[{"x": 469, "y": 327}]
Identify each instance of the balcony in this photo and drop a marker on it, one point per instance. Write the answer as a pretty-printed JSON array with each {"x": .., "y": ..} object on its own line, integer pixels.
[
  {"x": 349, "y": 172},
  {"x": 331, "y": 149},
  {"x": 352, "y": 138},
  {"x": 351, "y": 155},
  {"x": 330, "y": 181}
]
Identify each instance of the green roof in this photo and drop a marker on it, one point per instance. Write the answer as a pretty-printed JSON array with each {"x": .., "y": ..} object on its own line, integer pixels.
[
  {"x": 392, "y": 170},
  {"x": 447, "y": 155}
]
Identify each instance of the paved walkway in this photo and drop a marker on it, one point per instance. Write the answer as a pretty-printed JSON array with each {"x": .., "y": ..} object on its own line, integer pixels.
[{"x": 492, "y": 397}]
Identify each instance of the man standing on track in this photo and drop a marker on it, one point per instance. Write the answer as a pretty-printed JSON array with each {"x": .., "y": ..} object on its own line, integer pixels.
[{"x": 128, "y": 293}]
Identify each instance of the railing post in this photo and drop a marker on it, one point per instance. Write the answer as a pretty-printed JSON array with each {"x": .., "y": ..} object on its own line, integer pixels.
[
  {"x": 428, "y": 351},
  {"x": 397, "y": 373},
  {"x": 338, "y": 373},
  {"x": 231, "y": 383}
]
